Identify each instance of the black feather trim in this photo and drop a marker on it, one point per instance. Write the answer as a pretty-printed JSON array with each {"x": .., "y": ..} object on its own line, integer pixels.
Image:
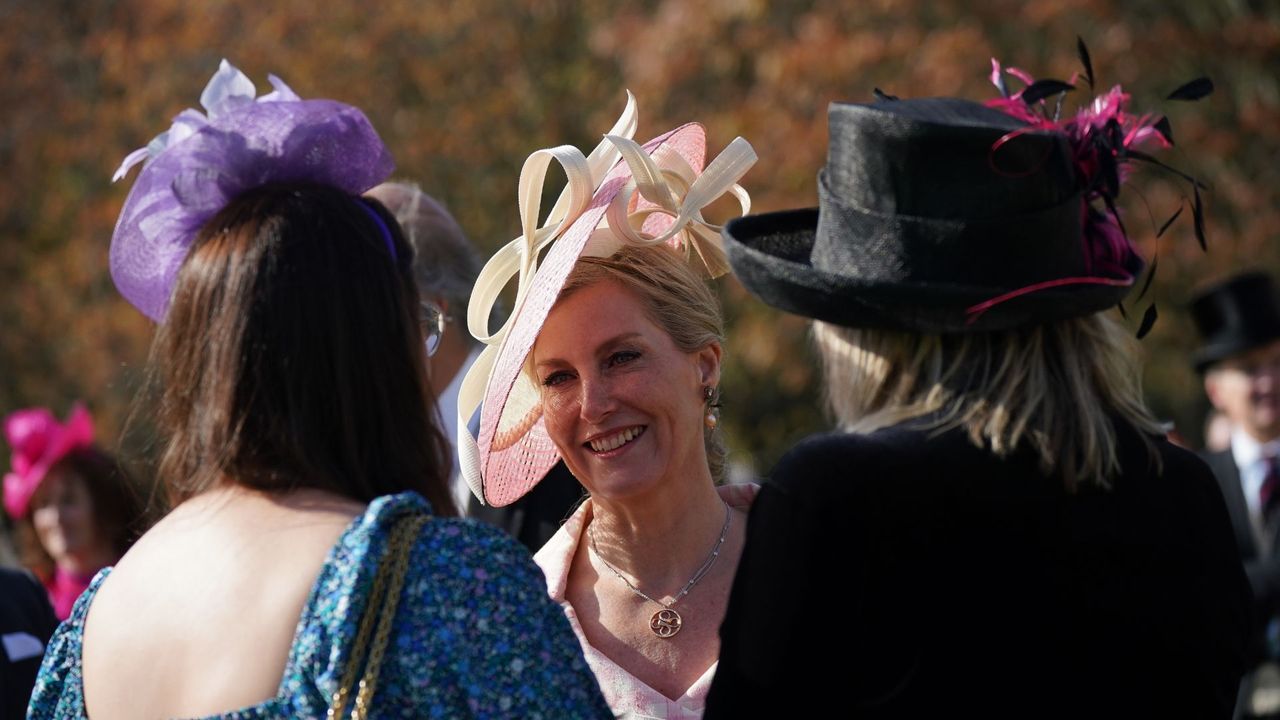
[
  {"x": 1151, "y": 275},
  {"x": 1148, "y": 321},
  {"x": 1083, "y": 52},
  {"x": 1197, "y": 212},
  {"x": 1041, "y": 89},
  {"x": 1169, "y": 222},
  {"x": 1194, "y": 90}
]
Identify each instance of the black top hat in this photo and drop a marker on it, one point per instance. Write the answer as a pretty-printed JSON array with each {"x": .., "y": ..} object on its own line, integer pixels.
[
  {"x": 935, "y": 215},
  {"x": 1235, "y": 316}
]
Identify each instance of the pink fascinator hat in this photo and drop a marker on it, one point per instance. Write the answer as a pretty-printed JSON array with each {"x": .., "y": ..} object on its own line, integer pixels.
[
  {"x": 621, "y": 193},
  {"x": 205, "y": 160},
  {"x": 38, "y": 441}
]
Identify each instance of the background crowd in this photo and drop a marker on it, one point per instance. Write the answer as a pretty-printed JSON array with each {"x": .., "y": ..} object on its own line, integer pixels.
[{"x": 462, "y": 92}]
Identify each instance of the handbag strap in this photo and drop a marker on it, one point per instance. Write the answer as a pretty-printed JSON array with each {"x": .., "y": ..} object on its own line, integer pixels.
[{"x": 375, "y": 624}]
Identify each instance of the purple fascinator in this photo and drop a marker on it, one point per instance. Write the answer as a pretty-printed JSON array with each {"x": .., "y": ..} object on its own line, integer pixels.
[{"x": 205, "y": 160}]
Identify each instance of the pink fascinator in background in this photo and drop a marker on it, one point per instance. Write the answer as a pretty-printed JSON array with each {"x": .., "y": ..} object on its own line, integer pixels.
[{"x": 38, "y": 441}]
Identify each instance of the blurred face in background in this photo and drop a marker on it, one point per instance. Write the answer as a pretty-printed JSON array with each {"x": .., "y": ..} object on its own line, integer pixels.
[
  {"x": 1246, "y": 389},
  {"x": 62, "y": 515}
]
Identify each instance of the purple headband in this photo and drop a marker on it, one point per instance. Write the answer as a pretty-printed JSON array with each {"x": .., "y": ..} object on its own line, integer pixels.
[
  {"x": 204, "y": 162},
  {"x": 382, "y": 227}
]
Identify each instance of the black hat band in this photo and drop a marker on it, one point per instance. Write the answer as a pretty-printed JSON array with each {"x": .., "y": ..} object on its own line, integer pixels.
[{"x": 997, "y": 253}]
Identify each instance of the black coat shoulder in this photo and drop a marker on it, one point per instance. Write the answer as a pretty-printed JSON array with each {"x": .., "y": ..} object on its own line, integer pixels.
[
  {"x": 26, "y": 624},
  {"x": 943, "y": 578}
]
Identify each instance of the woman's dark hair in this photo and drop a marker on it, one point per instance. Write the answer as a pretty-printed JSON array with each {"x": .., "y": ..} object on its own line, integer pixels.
[
  {"x": 291, "y": 354},
  {"x": 117, "y": 508}
]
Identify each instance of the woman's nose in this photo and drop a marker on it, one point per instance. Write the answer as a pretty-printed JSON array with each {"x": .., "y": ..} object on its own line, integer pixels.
[{"x": 597, "y": 400}]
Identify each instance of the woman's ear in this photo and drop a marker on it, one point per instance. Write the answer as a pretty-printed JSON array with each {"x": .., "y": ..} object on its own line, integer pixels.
[{"x": 708, "y": 359}]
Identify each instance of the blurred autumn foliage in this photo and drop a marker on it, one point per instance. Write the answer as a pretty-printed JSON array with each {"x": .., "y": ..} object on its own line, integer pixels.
[{"x": 463, "y": 91}]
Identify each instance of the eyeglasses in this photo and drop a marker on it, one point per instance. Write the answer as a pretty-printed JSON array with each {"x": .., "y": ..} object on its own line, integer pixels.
[{"x": 432, "y": 321}]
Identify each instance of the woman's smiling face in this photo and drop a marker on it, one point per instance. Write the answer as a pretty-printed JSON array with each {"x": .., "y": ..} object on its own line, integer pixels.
[{"x": 622, "y": 403}]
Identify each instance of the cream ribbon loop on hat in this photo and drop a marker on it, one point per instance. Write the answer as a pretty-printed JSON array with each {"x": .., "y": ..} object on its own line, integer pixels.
[
  {"x": 519, "y": 259},
  {"x": 673, "y": 189}
]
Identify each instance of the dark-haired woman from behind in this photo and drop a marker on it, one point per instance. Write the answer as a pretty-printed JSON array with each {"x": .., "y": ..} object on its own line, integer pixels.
[{"x": 310, "y": 564}]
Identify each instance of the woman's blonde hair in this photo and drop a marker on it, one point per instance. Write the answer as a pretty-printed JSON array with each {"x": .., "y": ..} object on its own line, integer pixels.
[
  {"x": 675, "y": 297},
  {"x": 1057, "y": 388}
]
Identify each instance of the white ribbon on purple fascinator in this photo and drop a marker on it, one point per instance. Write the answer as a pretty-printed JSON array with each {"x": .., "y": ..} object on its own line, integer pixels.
[
  {"x": 205, "y": 160},
  {"x": 228, "y": 89}
]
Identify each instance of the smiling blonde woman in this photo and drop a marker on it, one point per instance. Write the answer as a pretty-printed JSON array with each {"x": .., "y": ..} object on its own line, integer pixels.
[{"x": 612, "y": 364}]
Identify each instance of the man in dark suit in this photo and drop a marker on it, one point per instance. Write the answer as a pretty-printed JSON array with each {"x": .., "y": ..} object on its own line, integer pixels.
[
  {"x": 445, "y": 266},
  {"x": 1240, "y": 362},
  {"x": 26, "y": 624}
]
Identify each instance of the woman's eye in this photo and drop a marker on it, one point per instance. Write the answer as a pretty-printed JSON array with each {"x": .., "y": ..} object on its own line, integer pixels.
[
  {"x": 555, "y": 378},
  {"x": 622, "y": 357}
]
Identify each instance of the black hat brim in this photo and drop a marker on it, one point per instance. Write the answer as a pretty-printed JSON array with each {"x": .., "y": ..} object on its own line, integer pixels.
[
  {"x": 1235, "y": 316},
  {"x": 1216, "y": 352},
  {"x": 770, "y": 254}
]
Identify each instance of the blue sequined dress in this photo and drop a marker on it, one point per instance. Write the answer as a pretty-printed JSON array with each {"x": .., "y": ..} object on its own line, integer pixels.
[{"x": 475, "y": 636}]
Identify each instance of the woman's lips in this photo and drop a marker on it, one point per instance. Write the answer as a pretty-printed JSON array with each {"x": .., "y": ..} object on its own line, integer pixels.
[{"x": 613, "y": 441}]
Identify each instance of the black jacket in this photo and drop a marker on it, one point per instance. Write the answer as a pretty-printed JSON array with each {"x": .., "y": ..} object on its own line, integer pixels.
[
  {"x": 1264, "y": 574},
  {"x": 902, "y": 575},
  {"x": 26, "y": 620}
]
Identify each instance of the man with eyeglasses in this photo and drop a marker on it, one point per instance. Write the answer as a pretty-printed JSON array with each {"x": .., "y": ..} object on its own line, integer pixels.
[
  {"x": 1239, "y": 320},
  {"x": 445, "y": 266}
]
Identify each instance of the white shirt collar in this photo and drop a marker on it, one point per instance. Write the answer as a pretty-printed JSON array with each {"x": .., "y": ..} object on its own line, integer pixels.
[{"x": 1247, "y": 452}]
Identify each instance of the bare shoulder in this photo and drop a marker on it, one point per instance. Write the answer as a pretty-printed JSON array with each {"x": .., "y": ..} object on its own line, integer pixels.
[
  {"x": 225, "y": 575},
  {"x": 226, "y": 534}
]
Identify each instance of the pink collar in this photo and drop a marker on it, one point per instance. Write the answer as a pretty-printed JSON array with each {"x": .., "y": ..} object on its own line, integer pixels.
[{"x": 65, "y": 588}]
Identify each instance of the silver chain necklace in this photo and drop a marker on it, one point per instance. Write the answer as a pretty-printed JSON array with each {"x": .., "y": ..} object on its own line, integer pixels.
[{"x": 667, "y": 622}]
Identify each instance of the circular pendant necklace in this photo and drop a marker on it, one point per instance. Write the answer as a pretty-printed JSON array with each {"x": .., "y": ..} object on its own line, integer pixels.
[{"x": 666, "y": 622}]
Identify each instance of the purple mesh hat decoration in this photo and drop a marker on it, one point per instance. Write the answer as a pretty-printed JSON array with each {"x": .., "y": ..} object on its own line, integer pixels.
[
  {"x": 205, "y": 160},
  {"x": 622, "y": 193}
]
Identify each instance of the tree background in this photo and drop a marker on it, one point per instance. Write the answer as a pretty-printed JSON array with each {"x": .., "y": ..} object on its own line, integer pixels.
[{"x": 462, "y": 92}]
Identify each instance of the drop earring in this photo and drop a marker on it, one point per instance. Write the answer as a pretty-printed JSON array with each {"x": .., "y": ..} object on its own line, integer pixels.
[{"x": 710, "y": 421}]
